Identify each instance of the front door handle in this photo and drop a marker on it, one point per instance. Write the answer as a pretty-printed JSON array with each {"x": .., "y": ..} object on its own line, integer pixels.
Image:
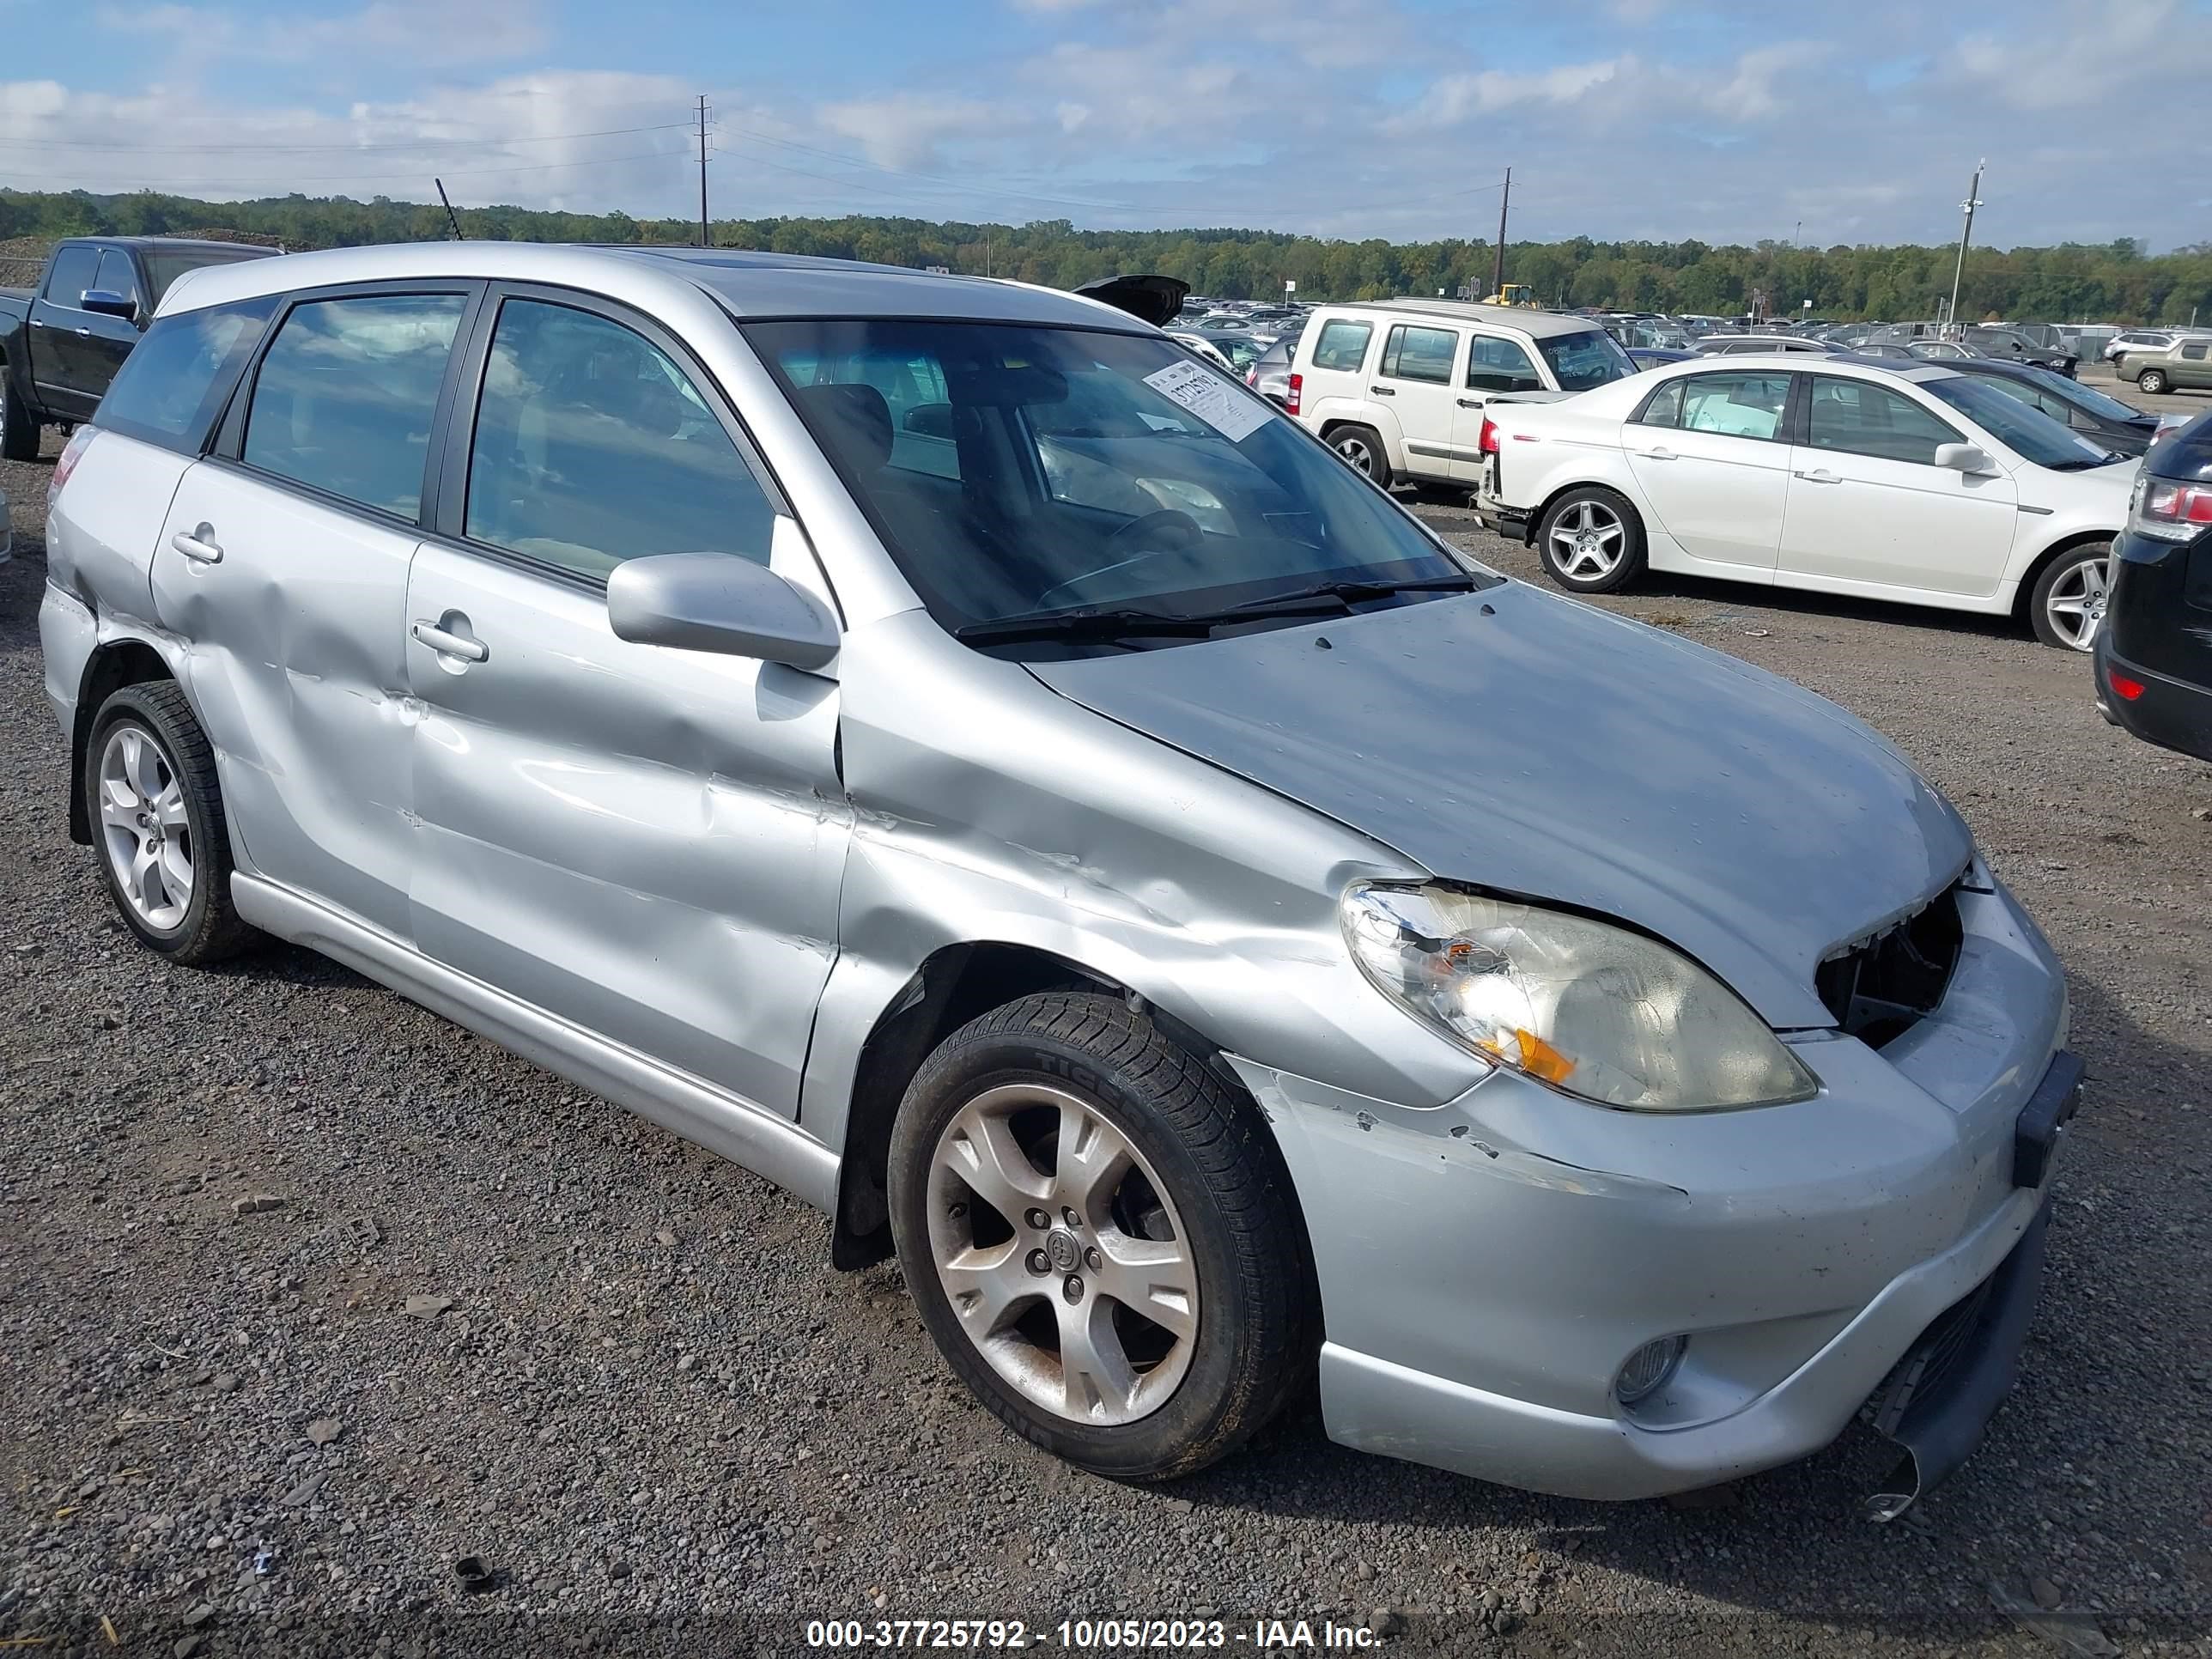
[
  {"x": 198, "y": 544},
  {"x": 446, "y": 644},
  {"x": 1818, "y": 475},
  {"x": 1383, "y": 391}
]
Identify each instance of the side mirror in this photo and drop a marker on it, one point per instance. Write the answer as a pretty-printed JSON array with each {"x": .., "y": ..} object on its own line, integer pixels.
[
  {"x": 1964, "y": 458},
  {"x": 108, "y": 303},
  {"x": 721, "y": 602}
]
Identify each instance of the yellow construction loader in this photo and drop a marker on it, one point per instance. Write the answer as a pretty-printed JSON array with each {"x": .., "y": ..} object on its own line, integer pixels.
[{"x": 1515, "y": 293}]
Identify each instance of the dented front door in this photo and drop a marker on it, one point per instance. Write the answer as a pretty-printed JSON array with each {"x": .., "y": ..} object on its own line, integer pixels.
[{"x": 646, "y": 842}]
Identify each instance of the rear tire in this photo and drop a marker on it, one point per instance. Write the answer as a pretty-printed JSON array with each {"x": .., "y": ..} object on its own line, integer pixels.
[
  {"x": 1182, "y": 1208},
  {"x": 1361, "y": 448},
  {"x": 1591, "y": 541},
  {"x": 155, "y": 809},
  {"x": 2152, "y": 380},
  {"x": 19, "y": 433},
  {"x": 2066, "y": 603}
]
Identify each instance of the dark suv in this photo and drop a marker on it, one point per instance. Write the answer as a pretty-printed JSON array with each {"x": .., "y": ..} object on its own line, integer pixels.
[{"x": 2154, "y": 650}]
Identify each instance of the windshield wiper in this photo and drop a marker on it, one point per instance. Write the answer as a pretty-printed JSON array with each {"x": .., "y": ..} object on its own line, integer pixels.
[
  {"x": 1351, "y": 592},
  {"x": 1084, "y": 623}
]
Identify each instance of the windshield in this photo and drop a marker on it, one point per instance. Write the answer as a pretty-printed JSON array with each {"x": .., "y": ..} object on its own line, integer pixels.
[
  {"x": 2086, "y": 396},
  {"x": 1014, "y": 469},
  {"x": 2021, "y": 427},
  {"x": 1580, "y": 362}
]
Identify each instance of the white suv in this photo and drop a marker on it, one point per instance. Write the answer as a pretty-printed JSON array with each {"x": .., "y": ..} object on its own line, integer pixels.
[{"x": 1398, "y": 387}]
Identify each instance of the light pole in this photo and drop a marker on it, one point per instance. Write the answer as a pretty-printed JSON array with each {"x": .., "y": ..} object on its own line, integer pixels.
[{"x": 1973, "y": 201}]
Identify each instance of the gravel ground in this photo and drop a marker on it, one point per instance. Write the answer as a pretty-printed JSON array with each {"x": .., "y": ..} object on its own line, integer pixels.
[{"x": 637, "y": 1392}]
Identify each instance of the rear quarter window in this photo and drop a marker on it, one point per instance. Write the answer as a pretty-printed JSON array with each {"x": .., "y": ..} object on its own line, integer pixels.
[
  {"x": 1342, "y": 346},
  {"x": 173, "y": 386}
]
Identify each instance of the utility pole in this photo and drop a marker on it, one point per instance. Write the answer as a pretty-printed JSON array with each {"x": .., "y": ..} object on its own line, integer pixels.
[
  {"x": 1498, "y": 265},
  {"x": 1973, "y": 201},
  {"x": 702, "y": 169}
]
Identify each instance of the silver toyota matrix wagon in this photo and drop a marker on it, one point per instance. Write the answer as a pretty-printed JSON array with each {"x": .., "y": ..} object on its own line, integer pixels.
[{"x": 936, "y": 743}]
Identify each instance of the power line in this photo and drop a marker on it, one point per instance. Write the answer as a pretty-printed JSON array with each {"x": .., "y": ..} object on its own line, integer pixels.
[
  {"x": 305, "y": 150},
  {"x": 388, "y": 178}
]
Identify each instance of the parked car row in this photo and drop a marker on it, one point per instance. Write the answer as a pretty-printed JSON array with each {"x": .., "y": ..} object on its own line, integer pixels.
[{"x": 938, "y": 744}]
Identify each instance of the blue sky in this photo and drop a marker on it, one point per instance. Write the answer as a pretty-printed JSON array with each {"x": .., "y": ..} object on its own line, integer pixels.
[{"x": 1860, "y": 119}]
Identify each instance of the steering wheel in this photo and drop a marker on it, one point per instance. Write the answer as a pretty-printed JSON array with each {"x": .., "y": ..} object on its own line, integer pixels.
[{"x": 1176, "y": 530}]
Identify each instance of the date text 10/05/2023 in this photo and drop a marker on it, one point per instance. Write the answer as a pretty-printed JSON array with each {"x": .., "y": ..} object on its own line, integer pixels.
[{"x": 1262, "y": 1635}]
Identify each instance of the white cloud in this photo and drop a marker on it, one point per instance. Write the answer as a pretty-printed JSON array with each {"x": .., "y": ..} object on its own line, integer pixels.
[
  {"x": 2099, "y": 53},
  {"x": 1457, "y": 98},
  {"x": 905, "y": 130}
]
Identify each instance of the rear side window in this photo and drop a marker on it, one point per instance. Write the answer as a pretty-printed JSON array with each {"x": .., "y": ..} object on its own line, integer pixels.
[
  {"x": 592, "y": 446},
  {"x": 1342, "y": 346},
  {"x": 173, "y": 386},
  {"x": 1420, "y": 354},
  {"x": 1737, "y": 405},
  {"x": 1861, "y": 418},
  {"x": 346, "y": 392},
  {"x": 76, "y": 269},
  {"x": 2194, "y": 353},
  {"x": 1499, "y": 365}
]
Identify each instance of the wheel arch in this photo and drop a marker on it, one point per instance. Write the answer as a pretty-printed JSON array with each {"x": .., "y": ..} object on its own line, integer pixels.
[
  {"x": 954, "y": 984},
  {"x": 123, "y": 659}
]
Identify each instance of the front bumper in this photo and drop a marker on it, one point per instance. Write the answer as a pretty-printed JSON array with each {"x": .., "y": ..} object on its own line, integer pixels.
[{"x": 1487, "y": 1265}]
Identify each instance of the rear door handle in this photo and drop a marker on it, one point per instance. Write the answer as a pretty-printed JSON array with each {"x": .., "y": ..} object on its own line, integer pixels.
[
  {"x": 1659, "y": 454},
  {"x": 84, "y": 333},
  {"x": 1820, "y": 475},
  {"x": 198, "y": 544},
  {"x": 1382, "y": 390},
  {"x": 1470, "y": 403},
  {"x": 38, "y": 322},
  {"x": 451, "y": 644}
]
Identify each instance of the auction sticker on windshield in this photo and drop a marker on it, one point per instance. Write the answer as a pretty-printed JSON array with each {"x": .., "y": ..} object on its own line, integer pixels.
[{"x": 1205, "y": 395}]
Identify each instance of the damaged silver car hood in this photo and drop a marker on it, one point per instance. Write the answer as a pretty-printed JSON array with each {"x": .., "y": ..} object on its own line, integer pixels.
[{"x": 1543, "y": 748}]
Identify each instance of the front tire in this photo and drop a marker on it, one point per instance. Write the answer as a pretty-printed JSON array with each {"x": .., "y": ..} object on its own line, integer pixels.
[
  {"x": 2152, "y": 380},
  {"x": 1591, "y": 541},
  {"x": 1361, "y": 447},
  {"x": 19, "y": 433},
  {"x": 2066, "y": 606},
  {"x": 156, "y": 815},
  {"x": 1101, "y": 1238}
]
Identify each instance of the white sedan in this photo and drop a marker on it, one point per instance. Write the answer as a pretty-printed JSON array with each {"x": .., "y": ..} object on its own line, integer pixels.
[{"x": 1907, "y": 482}]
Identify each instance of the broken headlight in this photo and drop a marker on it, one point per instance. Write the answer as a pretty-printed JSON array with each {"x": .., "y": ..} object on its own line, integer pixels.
[{"x": 1599, "y": 1012}]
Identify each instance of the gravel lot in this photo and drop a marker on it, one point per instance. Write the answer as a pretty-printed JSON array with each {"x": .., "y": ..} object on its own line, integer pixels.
[{"x": 659, "y": 1418}]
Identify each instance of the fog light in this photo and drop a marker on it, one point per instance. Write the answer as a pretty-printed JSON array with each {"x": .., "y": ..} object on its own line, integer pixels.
[{"x": 1648, "y": 1367}]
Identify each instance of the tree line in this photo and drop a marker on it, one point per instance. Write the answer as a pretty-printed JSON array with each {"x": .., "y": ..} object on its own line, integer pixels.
[{"x": 2110, "y": 281}]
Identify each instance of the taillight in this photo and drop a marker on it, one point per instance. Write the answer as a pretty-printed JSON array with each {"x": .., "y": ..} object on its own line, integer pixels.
[
  {"x": 72, "y": 452},
  {"x": 1298, "y": 390},
  {"x": 1487, "y": 442},
  {"x": 2123, "y": 688},
  {"x": 1252, "y": 375},
  {"x": 2167, "y": 510}
]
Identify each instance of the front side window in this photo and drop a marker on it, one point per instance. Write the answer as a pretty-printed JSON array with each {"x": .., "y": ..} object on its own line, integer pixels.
[
  {"x": 1097, "y": 470},
  {"x": 1744, "y": 404},
  {"x": 116, "y": 275},
  {"x": 2027, "y": 432},
  {"x": 1580, "y": 362},
  {"x": 346, "y": 392},
  {"x": 1342, "y": 346},
  {"x": 1496, "y": 364},
  {"x": 173, "y": 383},
  {"x": 1420, "y": 354},
  {"x": 1858, "y": 417},
  {"x": 592, "y": 446},
  {"x": 75, "y": 270}
]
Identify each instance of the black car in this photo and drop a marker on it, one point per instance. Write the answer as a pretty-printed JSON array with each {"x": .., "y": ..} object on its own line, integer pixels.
[
  {"x": 2154, "y": 652},
  {"x": 2102, "y": 419}
]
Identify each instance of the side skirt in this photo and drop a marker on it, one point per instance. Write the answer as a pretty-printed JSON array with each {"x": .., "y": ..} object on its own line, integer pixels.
[{"x": 728, "y": 1124}]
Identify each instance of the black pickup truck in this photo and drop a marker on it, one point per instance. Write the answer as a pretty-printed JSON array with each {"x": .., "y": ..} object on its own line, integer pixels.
[{"x": 61, "y": 342}]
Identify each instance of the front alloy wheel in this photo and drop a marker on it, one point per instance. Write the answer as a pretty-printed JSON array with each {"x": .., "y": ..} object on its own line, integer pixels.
[
  {"x": 1098, "y": 1231},
  {"x": 1060, "y": 1255},
  {"x": 2071, "y": 598}
]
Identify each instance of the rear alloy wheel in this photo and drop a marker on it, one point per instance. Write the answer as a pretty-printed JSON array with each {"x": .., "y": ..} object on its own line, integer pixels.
[
  {"x": 1099, "y": 1233},
  {"x": 1591, "y": 542},
  {"x": 2067, "y": 604},
  {"x": 1363, "y": 448},
  {"x": 2152, "y": 380},
  {"x": 156, "y": 816}
]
